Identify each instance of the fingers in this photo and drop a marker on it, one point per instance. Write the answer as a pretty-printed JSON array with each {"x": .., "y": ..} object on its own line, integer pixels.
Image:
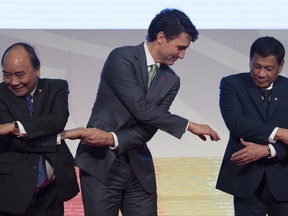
[
  {"x": 214, "y": 135},
  {"x": 206, "y": 130},
  {"x": 202, "y": 137},
  {"x": 244, "y": 156}
]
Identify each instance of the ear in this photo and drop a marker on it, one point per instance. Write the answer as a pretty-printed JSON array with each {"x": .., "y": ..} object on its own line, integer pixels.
[
  {"x": 281, "y": 66},
  {"x": 38, "y": 72},
  {"x": 250, "y": 64},
  {"x": 161, "y": 38}
]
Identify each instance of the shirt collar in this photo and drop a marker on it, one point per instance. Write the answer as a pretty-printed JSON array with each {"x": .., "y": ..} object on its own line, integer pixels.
[
  {"x": 149, "y": 58},
  {"x": 270, "y": 87}
]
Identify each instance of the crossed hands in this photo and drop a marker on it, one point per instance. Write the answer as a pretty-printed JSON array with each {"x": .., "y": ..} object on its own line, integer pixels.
[
  {"x": 253, "y": 151},
  {"x": 89, "y": 136},
  {"x": 202, "y": 131},
  {"x": 250, "y": 153}
]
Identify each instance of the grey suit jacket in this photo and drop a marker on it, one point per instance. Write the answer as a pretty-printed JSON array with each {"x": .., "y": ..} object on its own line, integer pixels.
[{"x": 125, "y": 106}]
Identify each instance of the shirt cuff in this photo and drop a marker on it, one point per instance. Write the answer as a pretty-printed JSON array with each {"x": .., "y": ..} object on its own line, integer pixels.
[
  {"x": 272, "y": 150},
  {"x": 272, "y": 135},
  {"x": 58, "y": 142},
  {"x": 21, "y": 128},
  {"x": 116, "y": 143},
  {"x": 187, "y": 126}
]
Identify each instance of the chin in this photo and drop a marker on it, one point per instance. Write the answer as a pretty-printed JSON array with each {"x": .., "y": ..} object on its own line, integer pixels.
[
  {"x": 18, "y": 93},
  {"x": 170, "y": 63}
]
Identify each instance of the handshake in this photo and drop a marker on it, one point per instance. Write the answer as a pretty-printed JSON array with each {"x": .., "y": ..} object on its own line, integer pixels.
[{"x": 89, "y": 136}]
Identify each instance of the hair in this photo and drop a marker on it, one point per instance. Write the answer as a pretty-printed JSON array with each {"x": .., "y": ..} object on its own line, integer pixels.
[
  {"x": 29, "y": 49},
  {"x": 265, "y": 46},
  {"x": 172, "y": 22}
]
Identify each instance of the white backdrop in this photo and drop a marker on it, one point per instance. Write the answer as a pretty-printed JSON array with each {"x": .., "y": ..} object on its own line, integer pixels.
[{"x": 133, "y": 14}]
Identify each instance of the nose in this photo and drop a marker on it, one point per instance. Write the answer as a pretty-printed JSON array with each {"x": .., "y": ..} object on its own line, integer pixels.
[
  {"x": 181, "y": 54},
  {"x": 262, "y": 72},
  {"x": 14, "y": 81}
]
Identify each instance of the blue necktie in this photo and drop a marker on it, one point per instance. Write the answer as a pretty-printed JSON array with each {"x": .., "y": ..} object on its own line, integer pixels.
[{"x": 42, "y": 176}]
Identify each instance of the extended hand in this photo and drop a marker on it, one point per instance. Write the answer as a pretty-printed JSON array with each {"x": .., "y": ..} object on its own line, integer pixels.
[
  {"x": 72, "y": 134},
  {"x": 250, "y": 153},
  {"x": 97, "y": 137},
  {"x": 201, "y": 130}
]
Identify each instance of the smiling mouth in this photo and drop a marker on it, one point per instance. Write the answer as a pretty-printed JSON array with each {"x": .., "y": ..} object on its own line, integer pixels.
[{"x": 17, "y": 89}]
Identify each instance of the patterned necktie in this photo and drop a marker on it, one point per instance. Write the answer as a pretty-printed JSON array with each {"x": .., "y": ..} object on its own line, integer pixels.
[
  {"x": 42, "y": 176},
  {"x": 151, "y": 73},
  {"x": 266, "y": 95}
]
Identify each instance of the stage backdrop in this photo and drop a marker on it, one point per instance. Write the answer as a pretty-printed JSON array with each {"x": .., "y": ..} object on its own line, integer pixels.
[{"x": 186, "y": 169}]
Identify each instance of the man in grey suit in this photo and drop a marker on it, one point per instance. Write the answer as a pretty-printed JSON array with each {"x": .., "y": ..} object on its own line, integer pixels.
[{"x": 116, "y": 169}]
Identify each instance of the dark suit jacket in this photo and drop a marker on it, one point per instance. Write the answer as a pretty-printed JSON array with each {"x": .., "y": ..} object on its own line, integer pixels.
[
  {"x": 125, "y": 106},
  {"x": 19, "y": 156},
  {"x": 244, "y": 114}
]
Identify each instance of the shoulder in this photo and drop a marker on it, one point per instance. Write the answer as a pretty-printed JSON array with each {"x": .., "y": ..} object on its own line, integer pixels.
[
  {"x": 53, "y": 84},
  {"x": 281, "y": 79},
  {"x": 239, "y": 77},
  {"x": 237, "y": 81},
  {"x": 49, "y": 81},
  {"x": 128, "y": 50}
]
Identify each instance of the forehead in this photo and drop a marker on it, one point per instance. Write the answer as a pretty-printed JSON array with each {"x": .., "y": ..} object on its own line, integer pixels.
[
  {"x": 17, "y": 56},
  {"x": 269, "y": 60},
  {"x": 183, "y": 39}
]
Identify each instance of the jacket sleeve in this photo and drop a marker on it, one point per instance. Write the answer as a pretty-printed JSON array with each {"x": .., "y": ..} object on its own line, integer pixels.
[
  {"x": 43, "y": 127},
  {"x": 119, "y": 73}
]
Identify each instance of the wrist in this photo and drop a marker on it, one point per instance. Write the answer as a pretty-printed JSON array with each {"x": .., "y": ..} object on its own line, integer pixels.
[
  {"x": 110, "y": 140},
  {"x": 15, "y": 130},
  {"x": 280, "y": 133},
  {"x": 269, "y": 151},
  {"x": 190, "y": 126}
]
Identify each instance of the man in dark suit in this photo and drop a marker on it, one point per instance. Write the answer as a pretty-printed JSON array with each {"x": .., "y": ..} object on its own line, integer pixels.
[
  {"x": 255, "y": 164},
  {"x": 30, "y": 135},
  {"x": 116, "y": 169}
]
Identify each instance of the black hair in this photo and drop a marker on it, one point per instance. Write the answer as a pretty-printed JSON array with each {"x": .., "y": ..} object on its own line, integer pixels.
[
  {"x": 172, "y": 22},
  {"x": 265, "y": 46}
]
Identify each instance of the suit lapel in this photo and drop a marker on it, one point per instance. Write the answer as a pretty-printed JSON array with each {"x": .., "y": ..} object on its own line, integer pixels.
[
  {"x": 277, "y": 93},
  {"x": 256, "y": 98},
  {"x": 38, "y": 98},
  {"x": 159, "y": 83},
  {"x": 141, "y": 63}
]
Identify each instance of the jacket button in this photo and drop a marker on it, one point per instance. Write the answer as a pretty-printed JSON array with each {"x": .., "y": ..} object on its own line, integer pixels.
[{"x": 35, "y": 167}]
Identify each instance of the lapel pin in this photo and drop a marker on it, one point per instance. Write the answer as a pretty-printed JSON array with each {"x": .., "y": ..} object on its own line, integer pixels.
[{"x": 39, "y": 91}]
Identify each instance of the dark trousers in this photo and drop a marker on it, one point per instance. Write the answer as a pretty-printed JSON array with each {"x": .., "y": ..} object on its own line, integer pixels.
[
  {"x": 261, "y": 203},
  {"x": 122, "y": 191},
  {"x": 43, "y": 203}
]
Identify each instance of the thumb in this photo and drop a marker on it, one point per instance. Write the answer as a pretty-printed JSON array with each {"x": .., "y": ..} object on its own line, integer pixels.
[{"x": 244, "y": 142}]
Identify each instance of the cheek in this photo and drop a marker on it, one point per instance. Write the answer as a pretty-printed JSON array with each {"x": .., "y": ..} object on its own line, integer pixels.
[
  {"x": 272, "y": 78},
  {"x": 253, "y": 74}
]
